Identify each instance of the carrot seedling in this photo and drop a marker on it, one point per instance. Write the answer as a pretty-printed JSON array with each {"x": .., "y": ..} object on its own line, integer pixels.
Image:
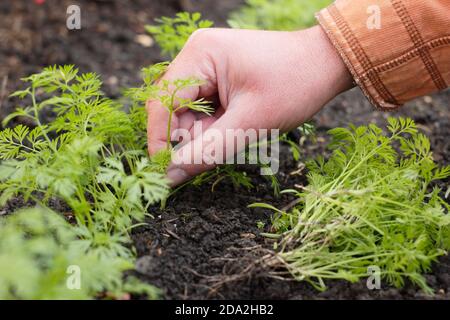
[
  {"x": 171, "y": 34},
  {"x": 281, "y": 15}
]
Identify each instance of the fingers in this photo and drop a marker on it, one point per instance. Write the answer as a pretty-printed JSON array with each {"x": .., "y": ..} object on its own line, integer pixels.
[{"x": 213, "y": 146}]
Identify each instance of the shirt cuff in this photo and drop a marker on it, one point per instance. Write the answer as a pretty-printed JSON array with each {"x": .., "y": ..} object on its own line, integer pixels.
[{"x": 392, "y": 51}]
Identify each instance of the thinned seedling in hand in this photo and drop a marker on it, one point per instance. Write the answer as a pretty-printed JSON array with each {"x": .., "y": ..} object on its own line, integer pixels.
[{"x": 173, "y": 103}]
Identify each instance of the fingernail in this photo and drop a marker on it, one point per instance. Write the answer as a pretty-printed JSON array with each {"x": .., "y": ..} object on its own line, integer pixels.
[{"x": 177, "y": 176}]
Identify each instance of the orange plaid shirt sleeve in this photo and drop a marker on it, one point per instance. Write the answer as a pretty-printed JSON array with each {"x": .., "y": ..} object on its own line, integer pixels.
[{"x": 396, "y": 50}]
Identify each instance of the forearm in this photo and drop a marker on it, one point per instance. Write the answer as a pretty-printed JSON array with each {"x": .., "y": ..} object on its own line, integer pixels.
[{"x": 326, "y": 61}]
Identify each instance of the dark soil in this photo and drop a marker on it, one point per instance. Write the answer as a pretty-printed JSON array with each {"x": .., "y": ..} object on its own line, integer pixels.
[{"x": 205, "y": 244}]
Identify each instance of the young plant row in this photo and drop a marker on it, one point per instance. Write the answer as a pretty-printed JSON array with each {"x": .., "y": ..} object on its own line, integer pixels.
[
  {"x": 92, "y": 156},
  {"x": 280, "y": 15}
]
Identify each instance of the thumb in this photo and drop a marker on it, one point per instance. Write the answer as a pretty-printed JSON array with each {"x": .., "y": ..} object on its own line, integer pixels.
[{"x": 214, "y": 146}]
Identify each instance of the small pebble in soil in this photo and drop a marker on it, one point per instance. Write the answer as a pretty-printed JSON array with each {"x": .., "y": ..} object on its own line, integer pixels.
[
  {"x": 144, "y": 40},
  {"x": 428, "y": 99}
]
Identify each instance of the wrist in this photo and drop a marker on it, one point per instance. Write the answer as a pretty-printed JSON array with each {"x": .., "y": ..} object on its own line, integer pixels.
[{"x": 333, "y": 74}]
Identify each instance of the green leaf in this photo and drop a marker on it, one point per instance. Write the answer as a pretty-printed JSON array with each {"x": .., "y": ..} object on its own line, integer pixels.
[{"x": 171, "y": 34}]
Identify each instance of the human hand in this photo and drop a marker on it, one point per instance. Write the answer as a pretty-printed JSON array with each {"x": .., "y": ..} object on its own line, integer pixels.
[{"x": 259, "y": 79}]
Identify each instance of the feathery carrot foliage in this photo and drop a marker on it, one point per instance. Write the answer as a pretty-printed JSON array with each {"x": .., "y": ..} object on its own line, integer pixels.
[
  {"x": 280, "y": 15},
  {"x": 93, "y": 157},
  {"x": 370, "y": 204}
]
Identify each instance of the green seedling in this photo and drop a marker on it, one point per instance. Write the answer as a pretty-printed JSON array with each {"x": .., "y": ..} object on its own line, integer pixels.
[
  {"x": 370, "y": 204},
  {"x": 42, "y": 257},
  {"x": 260, "y": 225},
  {"x": 167, "y": 93},
  {"x": 170, "y": 100},
  {"x": 238, "y": 179},
  {"x": 171, "y": 34},
  {"x": 281, "y": 15},
  {"x": 306, "y": 131}
]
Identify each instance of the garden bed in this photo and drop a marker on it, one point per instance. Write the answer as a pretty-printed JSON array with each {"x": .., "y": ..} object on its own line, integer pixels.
[{"x": 204, "y": 244}]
